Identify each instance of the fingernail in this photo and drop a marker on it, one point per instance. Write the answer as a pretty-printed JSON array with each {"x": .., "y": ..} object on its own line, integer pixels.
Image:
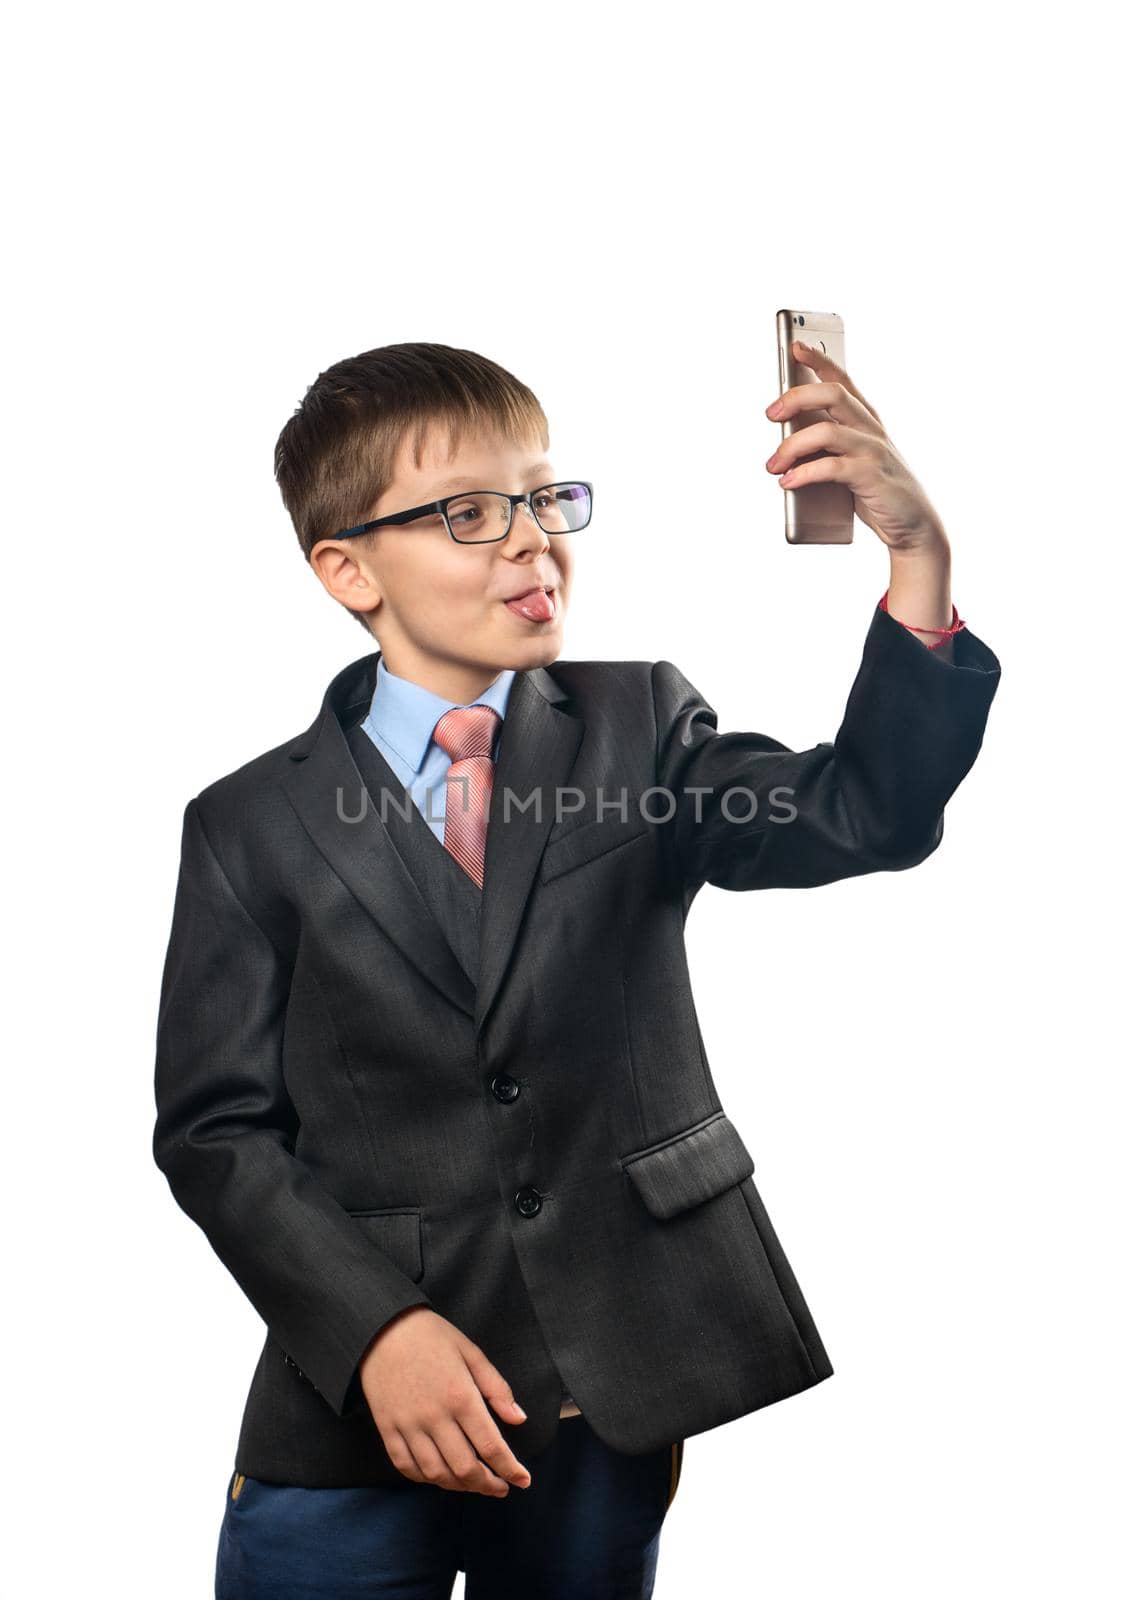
[
  {"x": 772, "y": 411},
  {"x": 799, "y": 344},
  {"x": 517, "y": 1407}
]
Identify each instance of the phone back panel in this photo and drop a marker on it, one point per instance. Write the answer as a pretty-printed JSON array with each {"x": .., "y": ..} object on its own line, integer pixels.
[{"x": 815, "y": 513}]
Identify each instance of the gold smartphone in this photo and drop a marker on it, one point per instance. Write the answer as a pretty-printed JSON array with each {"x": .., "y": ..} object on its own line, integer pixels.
[{"x": 815, "y": 513}]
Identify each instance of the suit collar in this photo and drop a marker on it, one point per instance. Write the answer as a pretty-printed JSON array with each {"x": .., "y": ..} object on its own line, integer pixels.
[
  {"x": 404, "y": 714},
  {"x": 353, "y": 689},
  {"x": 536, "y": 756}
]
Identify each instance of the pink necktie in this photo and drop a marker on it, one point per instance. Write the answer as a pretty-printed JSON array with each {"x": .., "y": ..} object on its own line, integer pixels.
[{"x": 467, "y": 734}]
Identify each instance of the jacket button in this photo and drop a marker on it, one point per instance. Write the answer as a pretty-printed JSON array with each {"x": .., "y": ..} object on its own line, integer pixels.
[
  {"x": 505, "y": 1088},
  {"x": 528, "y": 1201}
]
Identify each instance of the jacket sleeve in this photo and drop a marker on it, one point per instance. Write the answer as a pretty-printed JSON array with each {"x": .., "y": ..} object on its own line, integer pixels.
[
  {"x": 225, "y": 1133},
  {"x": 749, "y": 813}
]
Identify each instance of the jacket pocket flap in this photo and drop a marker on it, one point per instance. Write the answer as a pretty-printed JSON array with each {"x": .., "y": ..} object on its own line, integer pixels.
[
  {"x": 691, "y": 1166},
  {"x": 587, "y": 842},
  {"x": 397, "y": 1231}
]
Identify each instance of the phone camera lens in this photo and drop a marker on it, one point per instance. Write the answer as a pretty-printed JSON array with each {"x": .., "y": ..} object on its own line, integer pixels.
[{"x": 801, "y": 320}]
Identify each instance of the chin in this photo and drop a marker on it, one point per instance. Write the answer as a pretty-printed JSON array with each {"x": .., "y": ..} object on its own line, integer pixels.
[{"x": 537, "y": 652}]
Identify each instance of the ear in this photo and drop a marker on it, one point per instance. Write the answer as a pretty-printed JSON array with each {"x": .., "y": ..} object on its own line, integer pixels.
[{"x": 345, "y": 575}]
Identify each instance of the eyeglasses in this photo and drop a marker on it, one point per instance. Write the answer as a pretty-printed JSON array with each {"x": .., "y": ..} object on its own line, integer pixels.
[{"x": 484, "y": 516}]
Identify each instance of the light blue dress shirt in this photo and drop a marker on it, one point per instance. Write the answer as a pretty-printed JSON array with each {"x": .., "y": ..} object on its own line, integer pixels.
[{"x": 401, "y": 723}]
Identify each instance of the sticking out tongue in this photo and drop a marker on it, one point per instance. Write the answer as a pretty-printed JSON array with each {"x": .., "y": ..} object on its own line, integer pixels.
[{"x": 538, "y": 606}]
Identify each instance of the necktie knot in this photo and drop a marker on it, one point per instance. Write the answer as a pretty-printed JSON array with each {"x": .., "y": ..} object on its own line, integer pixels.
[{"x": 465, "y": 731}]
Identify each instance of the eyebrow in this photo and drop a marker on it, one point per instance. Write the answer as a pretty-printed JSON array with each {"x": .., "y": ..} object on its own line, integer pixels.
[{"x": 471, "y": 483}]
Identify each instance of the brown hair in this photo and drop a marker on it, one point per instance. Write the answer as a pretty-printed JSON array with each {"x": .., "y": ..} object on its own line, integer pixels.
[{"x": 334, "y": 458}]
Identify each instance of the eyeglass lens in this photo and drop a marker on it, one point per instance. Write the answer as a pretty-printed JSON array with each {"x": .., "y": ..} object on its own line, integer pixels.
[{"x": 559, "y": 508}]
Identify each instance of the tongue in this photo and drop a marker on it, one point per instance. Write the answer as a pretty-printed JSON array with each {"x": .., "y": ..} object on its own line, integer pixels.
[{"x": 538, "y": 606}]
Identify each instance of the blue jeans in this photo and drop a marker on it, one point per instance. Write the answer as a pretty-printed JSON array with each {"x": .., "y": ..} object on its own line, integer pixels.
[{"x": 588, "y": 1528}]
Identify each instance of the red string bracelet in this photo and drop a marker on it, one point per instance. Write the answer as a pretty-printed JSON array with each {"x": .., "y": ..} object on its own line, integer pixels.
[{"x": 946, "y": 633}]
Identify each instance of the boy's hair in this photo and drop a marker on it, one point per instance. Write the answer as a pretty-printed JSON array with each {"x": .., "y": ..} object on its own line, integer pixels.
[{"x": 334, "y": 458}]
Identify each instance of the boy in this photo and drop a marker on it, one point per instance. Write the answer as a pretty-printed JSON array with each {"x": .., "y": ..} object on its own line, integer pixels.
[{"x": 429, "y": 1074}]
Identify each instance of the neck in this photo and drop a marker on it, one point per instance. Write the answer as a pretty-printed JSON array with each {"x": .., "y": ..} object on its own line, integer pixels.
[{"x": 460, "y": 682}]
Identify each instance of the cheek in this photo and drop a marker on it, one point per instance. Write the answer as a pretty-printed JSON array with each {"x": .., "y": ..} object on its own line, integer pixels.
[{"x": 456, "y": 587}]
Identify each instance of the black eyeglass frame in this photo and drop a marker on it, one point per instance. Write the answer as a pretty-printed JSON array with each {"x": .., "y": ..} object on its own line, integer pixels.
[{"x": 438, "y": 507}]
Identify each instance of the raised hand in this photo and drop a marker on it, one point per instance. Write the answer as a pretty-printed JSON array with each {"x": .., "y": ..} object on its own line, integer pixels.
[{"x": 888, "y": 497}]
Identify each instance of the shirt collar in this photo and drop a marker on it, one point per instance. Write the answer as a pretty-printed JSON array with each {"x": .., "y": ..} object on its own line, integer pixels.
[{"x": 405, "y": 714}]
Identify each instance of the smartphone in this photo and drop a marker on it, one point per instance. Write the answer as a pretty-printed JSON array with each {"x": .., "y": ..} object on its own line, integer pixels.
[{"x": 815, "y": 513}]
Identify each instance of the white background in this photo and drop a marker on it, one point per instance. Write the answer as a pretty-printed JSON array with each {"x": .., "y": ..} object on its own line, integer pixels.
[{"x": 207, "y": 206}]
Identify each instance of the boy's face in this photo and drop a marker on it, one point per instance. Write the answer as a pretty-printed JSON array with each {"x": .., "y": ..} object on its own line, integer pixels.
[{"x": 437, "y": 606}]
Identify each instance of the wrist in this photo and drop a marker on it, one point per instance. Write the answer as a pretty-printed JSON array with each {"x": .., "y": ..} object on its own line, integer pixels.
[
  {"x": 933, "y": 637},
  {"x": 930, "y": 549},
  {"x": 920, "y": 591}
]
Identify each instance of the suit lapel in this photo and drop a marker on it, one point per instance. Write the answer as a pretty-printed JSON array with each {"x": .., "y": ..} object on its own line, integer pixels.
[
  {"x": 448, "y": 891},
  {"x": 325, "y": 788},
  {"x": 537, "y": 753}
]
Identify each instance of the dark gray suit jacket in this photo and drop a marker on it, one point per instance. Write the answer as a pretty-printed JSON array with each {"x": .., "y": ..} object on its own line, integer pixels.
[{"x": 376, "y": 1087}]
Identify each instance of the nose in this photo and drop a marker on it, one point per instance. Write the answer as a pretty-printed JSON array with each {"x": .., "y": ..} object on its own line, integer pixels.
[{"x": 529, "y": 527}]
